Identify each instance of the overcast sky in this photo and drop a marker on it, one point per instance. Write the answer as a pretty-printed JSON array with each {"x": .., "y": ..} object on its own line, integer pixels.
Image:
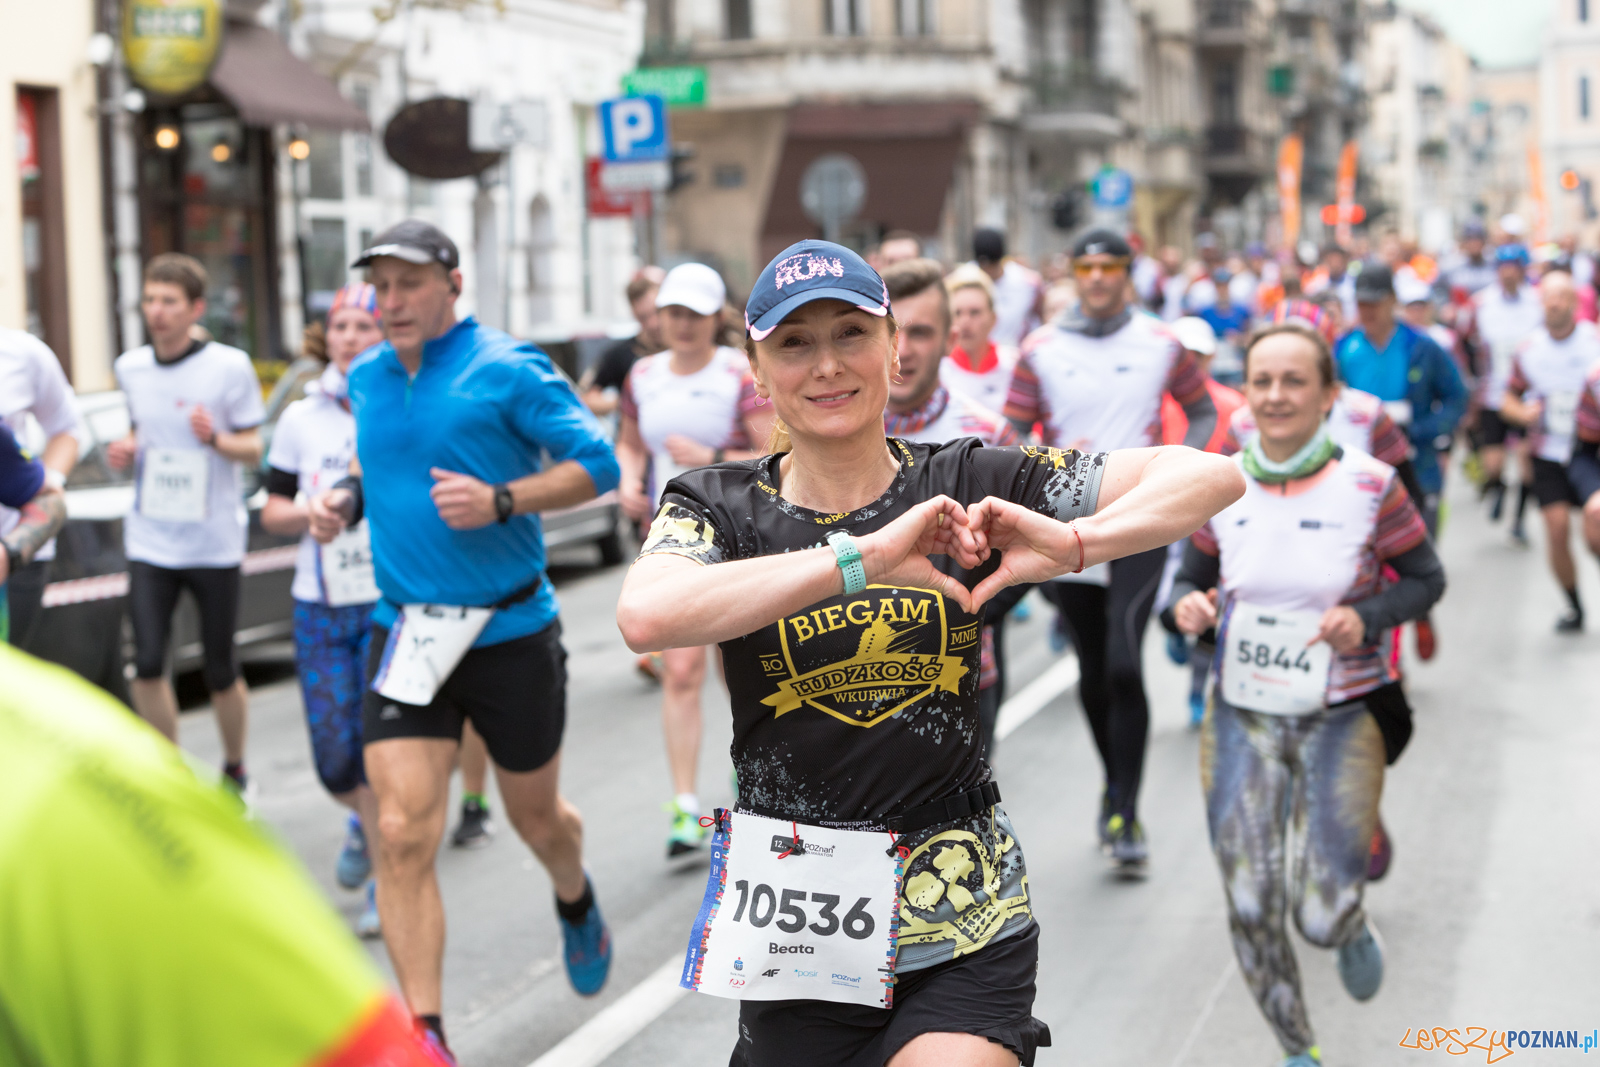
[{"x": 1498, "y": 32}]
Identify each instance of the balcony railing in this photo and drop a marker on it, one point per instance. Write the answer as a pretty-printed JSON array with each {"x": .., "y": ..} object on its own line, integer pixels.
[{"x": 1072, "y": 88}]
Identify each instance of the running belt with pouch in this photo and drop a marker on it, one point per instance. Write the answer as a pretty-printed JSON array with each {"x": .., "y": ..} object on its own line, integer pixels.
[{"x": 427, "y": 641}]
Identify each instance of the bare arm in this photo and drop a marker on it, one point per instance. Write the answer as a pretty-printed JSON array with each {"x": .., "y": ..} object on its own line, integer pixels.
[
  {"x": 41, "y": 519},
  {"x": 669, "y": 601},
  {"x": 1520, "y": 411},
  {"x": 242, "y": 447},
  {"x": 61, "y": 453},
  {"x": 1149, "y": 497},
  {"x": 633, "y": 459},
  {"x": 281, "y": 515}
]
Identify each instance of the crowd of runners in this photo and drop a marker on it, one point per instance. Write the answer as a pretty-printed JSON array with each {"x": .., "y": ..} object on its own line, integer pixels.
[{"x": 842, "y": 491}]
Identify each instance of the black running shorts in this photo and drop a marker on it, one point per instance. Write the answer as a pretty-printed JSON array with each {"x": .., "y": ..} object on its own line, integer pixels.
[
  {"x": 515, "y": 693},
  {"x": 989, "y": 993},
  {"x": 1551, "y": 485},
  {"x": 1493, "y": 430},
  {"x": 153, "y": 597}
]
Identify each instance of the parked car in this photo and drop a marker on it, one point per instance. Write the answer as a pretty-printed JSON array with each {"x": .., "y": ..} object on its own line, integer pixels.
[{"x": 82, "y": 623}]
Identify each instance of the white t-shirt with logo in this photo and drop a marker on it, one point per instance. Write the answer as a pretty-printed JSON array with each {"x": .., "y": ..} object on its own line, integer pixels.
[
  {"x": 705, "y": 407},
  {"x": 1554, "y": 373},
  {"x": 33, "y": 393},
  {"x": 988, "y": 389},
  {"x": 1503, "y": 324},
  {"x": 161, "y": 397},
  {"x": 315, "y": 439}
]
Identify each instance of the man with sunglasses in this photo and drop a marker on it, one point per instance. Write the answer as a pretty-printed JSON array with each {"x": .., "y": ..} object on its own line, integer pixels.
[{"x": 1094, "y": 381}]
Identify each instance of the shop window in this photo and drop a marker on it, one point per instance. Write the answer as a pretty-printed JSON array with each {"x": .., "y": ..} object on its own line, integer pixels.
[
  {"x": 326, "y": 165},
  {"x": 44, "y": 252},
  {"x": 326, "y": 259},
  {"x": 843, "y": 18}
]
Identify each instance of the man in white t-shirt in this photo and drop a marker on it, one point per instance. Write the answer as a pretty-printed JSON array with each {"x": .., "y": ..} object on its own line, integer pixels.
[
  {"x": 1018, "y": 290},
  {"x": 195, "y": 408},
  {"x": 36, "y": 402}
]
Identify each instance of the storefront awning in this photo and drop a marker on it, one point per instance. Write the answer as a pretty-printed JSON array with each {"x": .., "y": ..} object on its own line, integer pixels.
[{"x": 269, "y": 84}]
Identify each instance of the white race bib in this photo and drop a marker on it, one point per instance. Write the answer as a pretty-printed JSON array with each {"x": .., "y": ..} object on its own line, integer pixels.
[
  {"x": 1561, "y": 413},
  {"x": 1399, "y": 411},
  {"x": 1269, "y": 665},
  {"x": 781, "y": 923},
  {"x": 344, "y": 567},
  {"x": 426, "y": 643},
  {"x": 175, "y": 484}
]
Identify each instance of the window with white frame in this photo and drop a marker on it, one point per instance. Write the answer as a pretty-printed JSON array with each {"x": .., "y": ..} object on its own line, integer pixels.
[{"x": 915, "y": 17}]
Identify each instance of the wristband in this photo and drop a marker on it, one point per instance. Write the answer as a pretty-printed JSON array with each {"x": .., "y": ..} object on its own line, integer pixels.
[
  {"x": 848, "y": 556},
  {"x": 719, "y": 456},
  {"x": 54, "y": 478},
  {"x": 1073, "y": 526},
  {"x": 504, "y": 505},
  {"x": 358, "y": 500}
]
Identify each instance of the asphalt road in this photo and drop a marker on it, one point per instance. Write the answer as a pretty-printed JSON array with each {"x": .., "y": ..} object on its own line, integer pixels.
[{"x": 1491, "y": 914}]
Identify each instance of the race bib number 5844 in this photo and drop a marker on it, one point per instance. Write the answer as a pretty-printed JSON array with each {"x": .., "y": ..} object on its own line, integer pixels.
[{"x": 795, "y": 912}]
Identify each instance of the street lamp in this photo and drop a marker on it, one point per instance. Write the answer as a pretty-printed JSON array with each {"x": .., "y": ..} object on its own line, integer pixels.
[
  {"x": 299, "y": 149},
  {"x": 168, "y": 137}
]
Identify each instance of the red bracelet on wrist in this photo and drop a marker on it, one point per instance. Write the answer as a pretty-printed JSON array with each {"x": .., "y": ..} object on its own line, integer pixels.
[{"x": 1073, "y": 526}]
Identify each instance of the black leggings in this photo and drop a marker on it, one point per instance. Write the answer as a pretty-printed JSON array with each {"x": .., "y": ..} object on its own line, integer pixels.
[
  {"x": 152, "y": 597},
  {"x": 1107, "y": 625}
]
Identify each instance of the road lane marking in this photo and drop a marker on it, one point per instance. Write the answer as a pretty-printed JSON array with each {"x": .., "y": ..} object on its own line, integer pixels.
[
  {"x": 1057, "y": 679},
  {"x": 1205, "y": 1014},
  {"x": 591, "y": 1043}
]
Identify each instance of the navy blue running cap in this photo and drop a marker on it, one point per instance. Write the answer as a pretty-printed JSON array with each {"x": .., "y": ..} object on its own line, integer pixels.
[
  {"x": 1375, "y": 282},
  {"x": 414, "y": 241},
  {"x": 807, "y": 271},
  {"x": 1102, "y": 243}
]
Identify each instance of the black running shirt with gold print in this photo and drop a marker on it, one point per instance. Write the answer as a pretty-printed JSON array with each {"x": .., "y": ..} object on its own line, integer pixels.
[{"x": 865, "y": 705}]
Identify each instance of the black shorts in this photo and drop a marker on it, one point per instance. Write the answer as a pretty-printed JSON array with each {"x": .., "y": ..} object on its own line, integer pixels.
[
  {"x": 1551, "y": 484},
  {"x": 1493, "y": 430},
  {"x": 989, "y": 993},
  {"x": 152, "y": 598},
  {"x": 515, "y": 693}
]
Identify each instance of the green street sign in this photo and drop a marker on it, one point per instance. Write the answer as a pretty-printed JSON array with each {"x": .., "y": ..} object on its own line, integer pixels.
[{"x": 678, "y": 86}]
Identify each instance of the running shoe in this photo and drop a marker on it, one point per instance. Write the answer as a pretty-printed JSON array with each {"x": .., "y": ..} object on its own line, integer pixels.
[
  {"x": 649, "y": 666},
  {"x": 475, "y": 828},
  {"x": 1177, "y": 649},
  {"x": 1570, "y": 623},
  {"x": 1519, "y": 535},
  {"x": 437, "y": 1049},
  {"x": 1361, "y": 963},
  {"x": 1023, "y": 611},
  {"x": 1312, "y": 1057},
  {"x": 1197, "y": 710},
  {"x": 368, "y": 925},
  {"x": 1102, "y": 822},
  {"x": 355, "y": 862},
  {"x": 1128, "y": 850},
  {"x": 234, "y": 776},
  {"x": 586, "y": 948},
  {"x": 1380, "y": 855},
  {"x": 1498, "y": 508},
  {"x": 1427, "y": 641},
  {"x": 687, "y": 834}
]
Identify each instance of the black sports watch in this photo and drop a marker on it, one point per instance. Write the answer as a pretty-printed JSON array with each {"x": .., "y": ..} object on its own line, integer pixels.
[{"x": 504, "y": 506}]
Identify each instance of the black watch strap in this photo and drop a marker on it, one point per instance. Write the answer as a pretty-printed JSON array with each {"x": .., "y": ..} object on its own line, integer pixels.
[{"x": 504, "y": 505}]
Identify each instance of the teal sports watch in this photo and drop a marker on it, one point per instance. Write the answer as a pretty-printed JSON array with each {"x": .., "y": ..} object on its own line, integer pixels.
[{"x": 848, "y": 556}]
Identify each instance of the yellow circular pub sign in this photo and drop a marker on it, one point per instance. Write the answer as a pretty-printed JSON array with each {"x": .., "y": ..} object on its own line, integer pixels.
[{"x": 171, "y": 44}]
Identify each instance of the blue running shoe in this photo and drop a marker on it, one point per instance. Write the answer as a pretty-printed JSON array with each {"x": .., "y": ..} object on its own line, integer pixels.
[
  {"x": 1023, "y": 611},
  {"x": 586, "y": 947},
  {"x": 355, "y": 862},
  {"x": 1177, "y": 649},
  {"x": 1361, "y": 963},
  {"x": 1310, "y": 1058},
  {"x": 368, "y": 925},
  {"x": 1197, "y": 710}
]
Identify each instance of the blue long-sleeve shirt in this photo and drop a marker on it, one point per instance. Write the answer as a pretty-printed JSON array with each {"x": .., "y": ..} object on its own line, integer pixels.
[
  {"x": 1414, "y": 368},
  {"x": 485, "y": 404}
]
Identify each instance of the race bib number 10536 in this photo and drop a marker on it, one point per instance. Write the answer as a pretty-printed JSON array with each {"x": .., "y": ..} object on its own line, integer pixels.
[{"x": 796, "y": 913}]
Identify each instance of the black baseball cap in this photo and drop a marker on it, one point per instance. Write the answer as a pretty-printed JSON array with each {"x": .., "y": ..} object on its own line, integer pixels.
[
  {"x": 414, "y": 241},
  {"x": 1102, "y": 243},
  {"x": 988, "y": 245},
  {"x": 1375, "y": 282}
]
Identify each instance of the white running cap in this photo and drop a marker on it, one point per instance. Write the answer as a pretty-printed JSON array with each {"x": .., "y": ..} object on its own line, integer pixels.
[
  {"x": 694, "y": 286},
  {"x": 1196, "y": 335}
]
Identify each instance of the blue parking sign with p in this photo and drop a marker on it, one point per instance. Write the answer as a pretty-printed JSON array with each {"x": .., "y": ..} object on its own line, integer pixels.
[{"x": 635, "y": 129}]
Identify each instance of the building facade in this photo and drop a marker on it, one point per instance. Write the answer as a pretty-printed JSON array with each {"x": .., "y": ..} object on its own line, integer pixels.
[
  {"x": 1569, "y": 109},
  {"x": 53, "y": 271}
]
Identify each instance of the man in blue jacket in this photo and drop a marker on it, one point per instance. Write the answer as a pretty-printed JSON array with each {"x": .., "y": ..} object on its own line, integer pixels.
[
  {"x": 451, "y": 420},
  {"x": 1418, "y": 382}
]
